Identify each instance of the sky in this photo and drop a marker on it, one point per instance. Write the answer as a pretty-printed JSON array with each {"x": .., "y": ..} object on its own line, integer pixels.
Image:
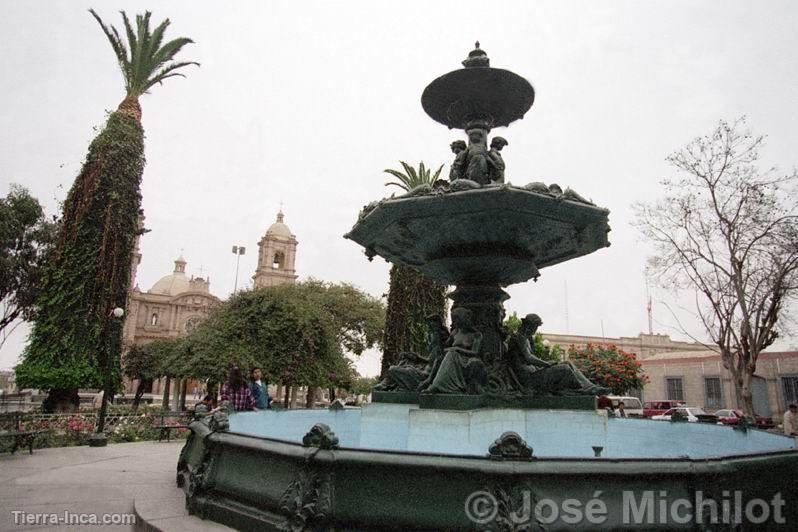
[{"x": 306, "y": 103}]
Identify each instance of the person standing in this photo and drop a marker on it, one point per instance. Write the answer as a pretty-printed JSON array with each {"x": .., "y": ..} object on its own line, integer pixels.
[
  {"x": 259, "y": 389},
  {"x": 790, "y": 421},
  {"x": 621, "y": 412},
  {"x": 237, "y": 392}
]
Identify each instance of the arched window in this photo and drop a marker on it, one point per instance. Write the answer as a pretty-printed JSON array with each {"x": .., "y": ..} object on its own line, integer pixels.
[
  {"x": 154, "y": 319},
  {"x": 279, "y": 260}
]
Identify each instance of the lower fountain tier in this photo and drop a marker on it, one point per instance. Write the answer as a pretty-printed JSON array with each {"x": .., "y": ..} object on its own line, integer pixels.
[{"x": 401, "y": 468}]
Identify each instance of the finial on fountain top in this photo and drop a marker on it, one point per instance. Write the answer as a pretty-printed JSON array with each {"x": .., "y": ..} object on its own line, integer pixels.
[{"x": 477, "y": 58}]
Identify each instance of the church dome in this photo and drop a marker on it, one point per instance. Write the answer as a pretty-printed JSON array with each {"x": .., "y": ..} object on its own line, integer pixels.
[
  {"x": 174, "y": 283},
  {"x": 279, "y": 228}
]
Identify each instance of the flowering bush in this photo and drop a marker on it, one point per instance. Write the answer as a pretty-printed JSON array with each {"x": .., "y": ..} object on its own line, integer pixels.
[
  {"x": 66, "y": 430},
  {"x": 609, "y": 366}
]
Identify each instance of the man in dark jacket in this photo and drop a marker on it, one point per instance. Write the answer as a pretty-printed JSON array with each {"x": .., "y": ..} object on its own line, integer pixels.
[{"x": 259, "y": 389}]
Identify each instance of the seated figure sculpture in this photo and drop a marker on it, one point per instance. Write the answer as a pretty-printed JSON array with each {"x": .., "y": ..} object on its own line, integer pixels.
[
  {"x": 539, "y": 377},
  {"x": 413, "y": 371},
  {"x": 461, "y": 370}
]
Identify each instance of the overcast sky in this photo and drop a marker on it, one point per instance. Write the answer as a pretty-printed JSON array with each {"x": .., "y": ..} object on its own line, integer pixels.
[{"x": 307, "y": 102}]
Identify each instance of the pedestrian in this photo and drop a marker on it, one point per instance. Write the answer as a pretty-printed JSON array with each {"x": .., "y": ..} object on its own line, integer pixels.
[
  {"x": 260, "y": 390},
  {"x": 790, "y": 421},
  {"x": 621, "y": 412},
  {"x": 237, "y": 392}
]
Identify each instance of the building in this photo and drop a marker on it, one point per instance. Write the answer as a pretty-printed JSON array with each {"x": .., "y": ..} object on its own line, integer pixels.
[
  {"x": 699, "y": 379},
  {"x": 643, "y": 345},
  {"x": 690, "y": 372},
  {"x": 276, "y": 255},
  {"x": 174, "y": 305}
]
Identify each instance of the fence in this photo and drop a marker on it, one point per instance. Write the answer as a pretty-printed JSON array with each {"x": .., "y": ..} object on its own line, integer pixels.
[{"x": 63, "y": 430}]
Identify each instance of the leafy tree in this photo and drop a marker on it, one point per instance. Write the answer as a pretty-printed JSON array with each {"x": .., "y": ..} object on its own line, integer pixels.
[
  {"x": 728, "y": 230},
  {"x": 410, "y": 178},
  {"x": 89, "y": 270},
  {"x": 609, "y": 366},
  {"x": 296, "y": 333},
  {"x": 25, "y": 239},
  {"x": 142, "y": 363},
  {"x": 363, "y": 385},
  {"x": 411, "y": 296},
  {"x": 542, "y": 349}
]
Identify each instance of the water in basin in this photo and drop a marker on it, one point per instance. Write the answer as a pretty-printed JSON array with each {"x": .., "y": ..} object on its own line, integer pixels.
[{"x": 551, "y": 433}]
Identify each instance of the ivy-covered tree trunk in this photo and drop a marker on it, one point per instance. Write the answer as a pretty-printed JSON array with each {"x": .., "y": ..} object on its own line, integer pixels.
[
  {"x": 88, "y": 273},
  {"x": 166, "y": 390},
  {"x": 411, "y": 298}
]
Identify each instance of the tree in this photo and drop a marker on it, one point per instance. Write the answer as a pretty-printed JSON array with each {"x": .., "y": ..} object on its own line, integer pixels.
[
  {"x": 610, "y": 367},
  {"x": 89, "y": 271},
  {"x": 296, "y": 333},
  {"x": 25, "y": 239},
  {"x": 411, "y": 296},
  {"x": 410, "y": 178},
  {"x": 542, "y": 349},
  {"x": 728, "y": 230},
  {"x": 142, "y": 363}
]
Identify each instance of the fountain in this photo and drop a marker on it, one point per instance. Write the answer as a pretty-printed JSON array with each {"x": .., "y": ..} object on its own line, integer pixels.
[{"x": 447, "y": 442}]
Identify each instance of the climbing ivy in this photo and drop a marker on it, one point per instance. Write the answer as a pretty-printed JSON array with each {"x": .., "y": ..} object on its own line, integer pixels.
[
  {"x": 88, "y": 273},
  {"x": 411, "y": 298}
]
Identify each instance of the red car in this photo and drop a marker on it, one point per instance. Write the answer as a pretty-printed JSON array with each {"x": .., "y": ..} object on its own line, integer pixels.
[
  {"x": 655, "y": 408},
  {"x": 732, "y": 417}
]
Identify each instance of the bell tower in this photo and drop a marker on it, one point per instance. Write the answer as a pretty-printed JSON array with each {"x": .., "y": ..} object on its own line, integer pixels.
[{"x": 276, "y": 255}]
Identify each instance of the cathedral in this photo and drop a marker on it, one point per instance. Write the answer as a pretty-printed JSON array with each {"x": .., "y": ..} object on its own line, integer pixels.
[{"x": 176, "y": 303}]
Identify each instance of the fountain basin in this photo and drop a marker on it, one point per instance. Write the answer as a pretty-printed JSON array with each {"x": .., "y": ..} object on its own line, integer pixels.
[
  {"x": 398, "y": 466},
  {"x": 492, "y": 235}
]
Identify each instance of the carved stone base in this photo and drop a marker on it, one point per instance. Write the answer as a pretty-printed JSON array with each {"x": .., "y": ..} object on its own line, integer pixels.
[{"x": 472, "y": 402}]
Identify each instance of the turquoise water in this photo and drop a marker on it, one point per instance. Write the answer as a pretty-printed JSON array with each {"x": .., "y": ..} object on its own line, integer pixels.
[{"x": 551, "y": 433}]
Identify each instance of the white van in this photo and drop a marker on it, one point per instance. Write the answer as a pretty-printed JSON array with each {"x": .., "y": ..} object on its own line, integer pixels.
[{"x": 632, "y": 405}]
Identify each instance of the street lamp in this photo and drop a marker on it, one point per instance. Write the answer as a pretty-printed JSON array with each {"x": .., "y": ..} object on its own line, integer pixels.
[
  {"x": 238, "y": 251},
  {"x": 98, "y": 439}
]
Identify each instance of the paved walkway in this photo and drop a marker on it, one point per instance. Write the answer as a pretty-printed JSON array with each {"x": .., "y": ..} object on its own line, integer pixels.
[{"x": 85, "y": 480}]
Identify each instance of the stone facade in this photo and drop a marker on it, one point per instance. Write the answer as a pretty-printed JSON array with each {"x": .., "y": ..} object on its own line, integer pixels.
[
  {"x": 170, "y": 309},
  {"x": 276, "y": 255},
  {"x": 643, "y": 345},
  {"x": 701, "y": 380}
]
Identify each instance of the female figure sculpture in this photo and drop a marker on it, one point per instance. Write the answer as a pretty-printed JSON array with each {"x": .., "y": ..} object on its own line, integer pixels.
[
  {"x": 540, "y": 377},
  {"x": 461, "y": 370}
]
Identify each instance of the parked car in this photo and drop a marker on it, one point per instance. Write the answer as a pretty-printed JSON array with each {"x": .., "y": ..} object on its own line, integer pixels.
[
  {"x": 655, "y": 408},
  {"x": 694, "y": 415},
  {"x": 632, "y": 405},
  {"x": 732, "y": 417}
]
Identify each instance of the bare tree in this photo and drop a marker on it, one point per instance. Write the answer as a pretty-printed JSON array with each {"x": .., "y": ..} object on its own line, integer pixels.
[{"x": 729, "y": 231}]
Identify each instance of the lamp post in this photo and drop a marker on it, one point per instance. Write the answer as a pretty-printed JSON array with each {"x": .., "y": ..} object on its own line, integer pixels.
[
  {"x": 98, "y": 439},
  {"x": 238, "y": 251}
]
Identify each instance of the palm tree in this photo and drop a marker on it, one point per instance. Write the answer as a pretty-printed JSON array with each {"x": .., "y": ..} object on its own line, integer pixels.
[
  {"x": 411, "y": 296},
  {"x": 147, "y": 62},
  {"x": 411, "y": 179},
  {"x": 74, "y": 338}
]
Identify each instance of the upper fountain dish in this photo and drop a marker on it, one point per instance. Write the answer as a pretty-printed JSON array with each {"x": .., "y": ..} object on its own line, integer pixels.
[
  {"x": 478, "y": 92},
  {"x": 476, "y": 228}
]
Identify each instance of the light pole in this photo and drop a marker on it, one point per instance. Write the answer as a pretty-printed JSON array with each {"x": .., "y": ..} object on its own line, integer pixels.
[
  {"x": 98, "y": 439},
  {"x": 238, "y": 251}
]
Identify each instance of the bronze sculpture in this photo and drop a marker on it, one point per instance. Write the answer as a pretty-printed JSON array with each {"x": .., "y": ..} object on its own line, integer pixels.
[
  {"x": 495, "y": 161},
  {"x": 414, "y": 371},
  {"x": 461, "y": 370},
  {"x": 540, "y": 377}
]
